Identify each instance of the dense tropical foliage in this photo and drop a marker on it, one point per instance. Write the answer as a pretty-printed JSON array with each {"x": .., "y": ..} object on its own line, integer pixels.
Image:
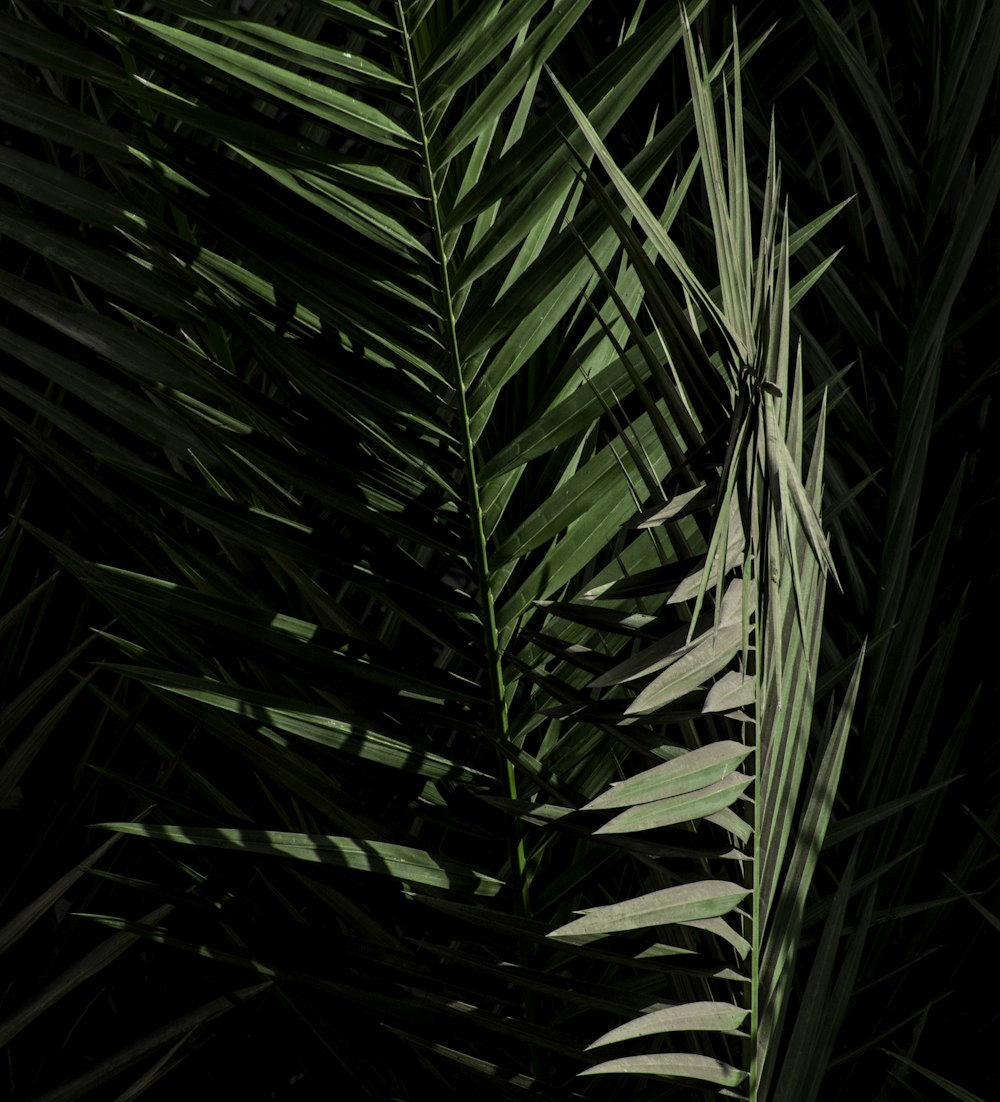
[{"x": 500, "y": 509}]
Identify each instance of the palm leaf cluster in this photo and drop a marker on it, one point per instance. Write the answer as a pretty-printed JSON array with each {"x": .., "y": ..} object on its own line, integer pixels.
[{"x": 497, "y": 503}]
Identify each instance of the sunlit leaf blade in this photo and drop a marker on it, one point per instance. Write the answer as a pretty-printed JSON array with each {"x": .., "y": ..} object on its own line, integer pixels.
[
  {"x": 692, "y": 670},
  {"x": 686, "y": 773},
  {"x": 687, "y": 1016},
  {"x": 347, "y": 733},
  {"x": 732, "y": 690},
  {"x": 704, "y": 899},
  {"x": 399, "y": 862},
  {"x": 684, "y": 808},
  {"x": 682, "y": 1065},
  {"x": 309, "y": 95}
]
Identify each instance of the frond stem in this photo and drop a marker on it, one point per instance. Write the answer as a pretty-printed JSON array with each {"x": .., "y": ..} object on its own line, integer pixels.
[{"x": 491, "y": 636}]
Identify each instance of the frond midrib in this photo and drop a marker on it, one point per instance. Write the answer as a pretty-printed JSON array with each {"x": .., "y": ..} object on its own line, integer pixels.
[{"x": 449, "y": 320}]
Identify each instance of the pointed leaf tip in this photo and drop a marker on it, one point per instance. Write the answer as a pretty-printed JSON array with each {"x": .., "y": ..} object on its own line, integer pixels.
[
  {"x": 673, "y": 1065},
  {"x": 701, "y": 899}
]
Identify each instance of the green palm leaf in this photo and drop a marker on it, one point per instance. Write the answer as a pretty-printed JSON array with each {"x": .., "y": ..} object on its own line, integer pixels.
[{"x": 446, "y": 418}]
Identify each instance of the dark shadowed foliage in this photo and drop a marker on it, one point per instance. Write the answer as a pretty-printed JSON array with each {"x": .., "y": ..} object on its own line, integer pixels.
[{"x": 497, "y": 573}]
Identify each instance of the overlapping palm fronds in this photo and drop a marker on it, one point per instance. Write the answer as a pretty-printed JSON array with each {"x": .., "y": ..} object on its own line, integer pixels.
[
  {"x": 370, "y": 381},
  {"x": 739, "y": 674}
]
